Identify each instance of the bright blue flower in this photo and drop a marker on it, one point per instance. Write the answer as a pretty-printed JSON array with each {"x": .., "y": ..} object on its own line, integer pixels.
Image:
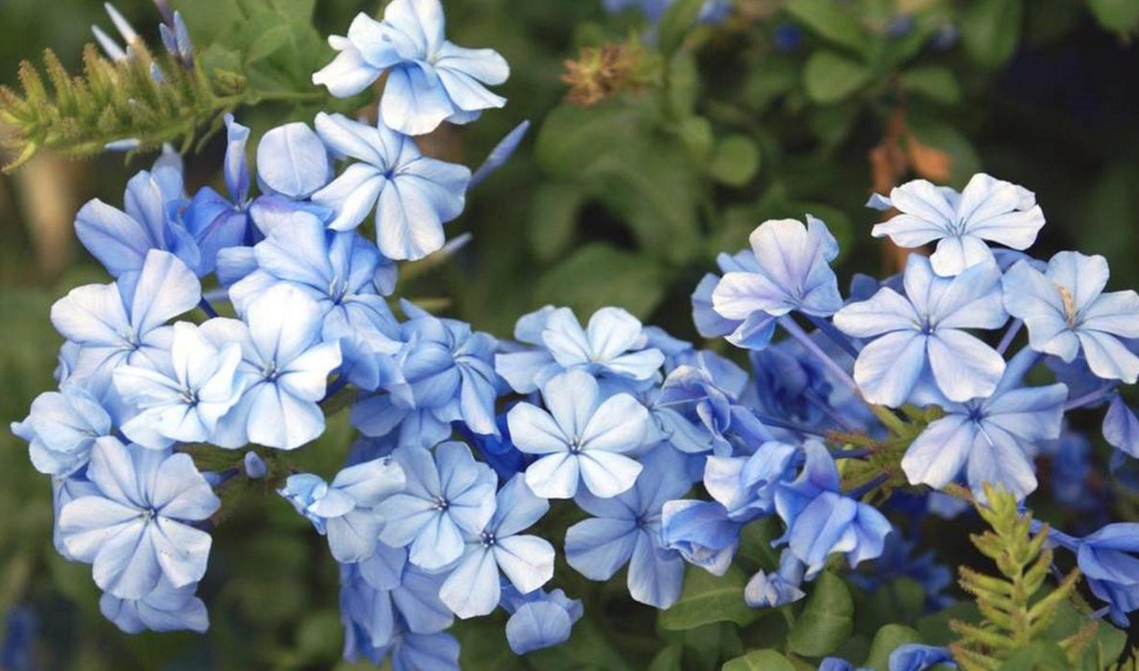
[
  {"x": 430, "y": 80},
  {"x": 167, "y": 608},
  {"x": 448, "y": 497},
  {"x": 346, "y": 510},
  {"x": 988, "y": 209},
  {"x": 626, "y": 529},
  {"x": 61, "y": 429},
  {"x": 539, "y": 620},
  {"x": 792, "y": 273},
  {"x": 215, "y": 221},
  {"x": 1068, "y": 313},
  {"x": 446, "y": 376},
  {"x": 581, "y": 437},
  {"x": 695, "y": 415},
  {"x": 1120, "y": 427},
  {"x": 254, "y": 466},
  {"x": 473, "y": 587},
  {"x": 713, "y": 11},
  {"x": 821, "y": 521},
  {"x": 120, "y": 240},
  {"x": 993, "y": 439},
  {"x": 136, "y": 529},
  {"x": 917, "y": 657},
  {"x": 1109, "y": 559},
  {"x": 838, "y": 664},
  {"x": 283, "y": 372},
  {"x": 500, "y": 154},
  {"x": 771, "y": 590},
  {"x": 412, "y": 195},
  {"x": 923, "y": 333},
  {"x": 292, "y": 162},
  {"x": 408, "y": 650},
  {"x": 125, "y": 322},
  {"x": 183, "y": 401},
  {"x": 701, "y": 532},
  {"x": 613, "y": 347}
]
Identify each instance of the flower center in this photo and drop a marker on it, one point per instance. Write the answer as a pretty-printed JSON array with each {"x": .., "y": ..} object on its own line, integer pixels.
[
  {"x": 1069, "y": 303},
  {"x": 189, "y": 396},
  {"x": 487, "y": 539},
  {"x": 441, "y": 504}
]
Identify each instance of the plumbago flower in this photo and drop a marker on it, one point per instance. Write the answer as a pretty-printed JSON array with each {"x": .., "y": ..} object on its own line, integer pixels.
[{"x": 62, "y": 429}]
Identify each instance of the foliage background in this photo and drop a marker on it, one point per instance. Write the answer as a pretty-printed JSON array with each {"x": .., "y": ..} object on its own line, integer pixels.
[{"x": 625, "y": 203}]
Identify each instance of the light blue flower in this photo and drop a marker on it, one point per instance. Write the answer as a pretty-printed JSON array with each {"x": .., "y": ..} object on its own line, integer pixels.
[
  {"x": 61, "y": 429},
  {"x": 539, "y": 620},
  {"x": 167, "y": 608},
  {"x": 346, "y": 510},
  {"x": 215, "y": 221},
  {"x": 448, "y": 496},
  {"x": 445, "y": 375},
  {"x": 988, "y": 209},
  {"x": 1068, "y": 313},
  {"x": 283, "y": 372},
  {"x": 412, "y": 195},
  {"x": 430, "y": 80},
  {"x": 125, "y": 322},
  {"x": 136, "y": 529},
  {"x": 1120, "y": 427},
  {"x": 694, "y": 414},
  {"x": 121, "y": 240},
  {"x": 473, "y": 587},
  {"x": 779, "y": 588},
  {"x": 993, "y": 439},
  {"x": 183, "y": 401},
  {"x": 612, "y": 348},
  {"x": 708, "y": 322},
  {"x": 792, "y": 273},
  {"x": 1109, "y": 560},
  {"x": 924, "y": 332},
  {"x": 917, "y": 657},
  {"x": 626, "y": 529},
  {"x": 581, "y": 437},
  {"x": 292, "y": 162}
]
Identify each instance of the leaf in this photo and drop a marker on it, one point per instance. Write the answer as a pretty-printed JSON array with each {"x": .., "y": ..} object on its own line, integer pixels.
[
  {"x": 934, "y": 83},
  {"x": 735, "y": 161},
  {"x": 886, "y": 641},
  {"x": 268, "y": 42},
  {"x": 599, "y": 275},
  {"x": 553, "y": 218},
  {"x": 696, "y": 132},
  {"x": 759, "y": 660},
  {"x": 707, "y": 598},
  {"x": 1116, "y": 14},
  {"x": 675, "y": 23},
  {"x": 826, "y": 621},
  {"x": 990, "y": 31},
  {"x": 684, "y": 85},
  {"x": 1037, "y": 656},
  {"x": 670, "y": 658},
  {"x": 297, "y": 10},
  {"x": 830, "y": 77},
  {"x": 830, "y": 20},
  {"x": 572, "y": 139}
]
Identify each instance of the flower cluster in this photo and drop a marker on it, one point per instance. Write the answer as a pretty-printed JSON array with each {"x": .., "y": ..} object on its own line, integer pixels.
[{"x": 466, "y": 442}]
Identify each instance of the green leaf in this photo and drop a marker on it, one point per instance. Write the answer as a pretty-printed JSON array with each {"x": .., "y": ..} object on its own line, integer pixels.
[
  {"x": 674, "y": 25},
  {"x": 269, "y": 41},
  {"x": 830, "y": 77},
  {"x": 990, "y": 31},
  {"x": 1037, "y": 656},
  {"x": 573, "y": 139},
  {"x": 697, "y": 134},
  {"x": 598, "y": 275},
  {"x": 760, "y": 660},
  {"x": 683, "y": 89},
  {"x": 934, "y": 83},
  {"x": 827, "y": 619},
  {"x": 297, "y": 10},
  {"x": 553, "y": 218},
  {"x": 830, "y": 20},
  {"x": 1116, "y": 14},
  {"x": 670, "y": 658},
  {"x": 707, "y": 598},
  {"x": 886, "y": 640},
  {"x": 735, "y": 161}
]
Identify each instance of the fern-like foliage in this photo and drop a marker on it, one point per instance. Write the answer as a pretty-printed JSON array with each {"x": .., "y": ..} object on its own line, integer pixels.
[
  {"x": 141, "y": 102},
  {"x": 1016, "y": 608}
]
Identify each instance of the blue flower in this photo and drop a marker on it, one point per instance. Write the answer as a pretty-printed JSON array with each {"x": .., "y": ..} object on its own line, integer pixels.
[
  {"x": 917, "y": 657},
  {"x": 62, "y": 427},
  {"x": 445, "y": 376},
  {"x": 771, "y": 590},
  {"x": 125, "y": 322},
  {"x": 626, "y": 529},
  {"x": 412, "y": 195},
  {"x": 183, "y": 401},
  {"x": 924, "y": 332},
  {"x": 581, "y": 437},
  {"x": 838, "y": 664},
  {"x": 346, "y": 509},
  {"x": 1120, "y": 427},
  {"x": 167, "y": 608},
  {"x": 215, "y": 221},
  {"x": 695, "y": 415},
  {"x": 121, "y": 240},
  {"x": 473, "y": 587},
  {"x": 713, "y": 11},
  {"x": 709, "y": 323},
  {"x": 988, "y": 209},
  {"x": 613, "y": 348},
  {"x": 136, "y": 527},
  {"x": 448, "y": 496},
  {"x": 1108, "y": 559},
  {"x": 292, "y": 162},
  {"x": 539, "y": 620},
  {"x": 1068, "y": 313},
  {"x": 792, "y": 274},
  {"x": 283, "y": 372},
  {"x": 430, "y": 80}
]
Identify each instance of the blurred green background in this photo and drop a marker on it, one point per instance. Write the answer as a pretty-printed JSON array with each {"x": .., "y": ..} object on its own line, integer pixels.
[{"x": 786, "y": 108}]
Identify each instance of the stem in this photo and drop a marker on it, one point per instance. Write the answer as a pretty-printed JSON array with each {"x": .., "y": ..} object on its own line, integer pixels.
[
  {"x": 337, "y": 384},
  {"x": 207, "y": 308},
  {"x": 790, "y": 426},
  {"x": 1010, "y": 334},
  {"x": 835, "y": 415},
  {"x": 1090, "y": 398},
  {"x": 838, "y": 337}
]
